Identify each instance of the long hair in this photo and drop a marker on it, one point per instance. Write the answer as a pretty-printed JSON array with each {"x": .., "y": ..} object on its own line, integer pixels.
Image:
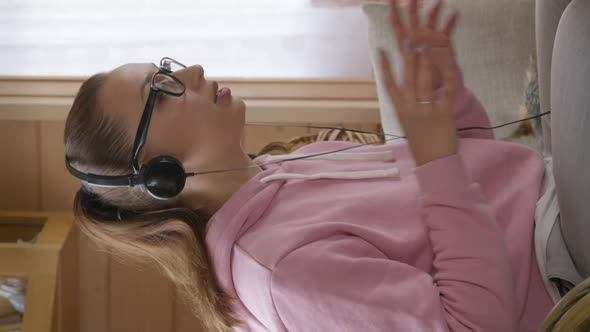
[{"x": 131, "y": 225}]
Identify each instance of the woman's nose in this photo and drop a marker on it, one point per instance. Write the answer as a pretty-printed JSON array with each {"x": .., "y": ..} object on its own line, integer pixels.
[
  {"x": 191, "y": 75},
  {"x": 196, "y": 70}
]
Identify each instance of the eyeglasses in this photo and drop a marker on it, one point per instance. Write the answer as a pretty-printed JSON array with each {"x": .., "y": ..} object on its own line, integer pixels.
[{"x": 162, "y": 82}]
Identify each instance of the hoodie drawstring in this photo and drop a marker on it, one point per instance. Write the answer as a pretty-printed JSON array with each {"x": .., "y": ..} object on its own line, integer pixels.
[
  {"x": 375, "y": 156},
  {"x": 389, "y": 172},
  {"x": 356, "y": 175}
]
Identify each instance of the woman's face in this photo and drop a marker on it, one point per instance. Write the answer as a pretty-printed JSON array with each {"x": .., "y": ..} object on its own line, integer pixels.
[{"x": 193, "y": 127}]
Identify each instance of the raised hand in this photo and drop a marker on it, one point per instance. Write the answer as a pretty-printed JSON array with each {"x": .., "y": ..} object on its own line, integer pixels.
[
  {"x": 439, "y": 41},
  {"x": 429, "y": 124}
]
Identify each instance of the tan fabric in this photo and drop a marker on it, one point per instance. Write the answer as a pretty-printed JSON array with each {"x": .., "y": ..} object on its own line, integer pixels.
[
  {"x": 494, "y": 40},
  {"x": 6, "y": 308}
]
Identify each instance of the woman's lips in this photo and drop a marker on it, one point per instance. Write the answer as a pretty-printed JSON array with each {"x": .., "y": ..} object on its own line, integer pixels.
[{"x": 223, "y": 94}]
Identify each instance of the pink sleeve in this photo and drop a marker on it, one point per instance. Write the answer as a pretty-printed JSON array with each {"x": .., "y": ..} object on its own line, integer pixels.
[
  {"x": 471, "y": 265},
  {"x": 469, "y": 112}
]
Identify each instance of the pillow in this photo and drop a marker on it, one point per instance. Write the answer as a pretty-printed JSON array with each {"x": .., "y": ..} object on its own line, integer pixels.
[
  {"x": 493, "y": 41},
  {"x": 295, "y": 143},
  {"x": 530, "y": 132}
]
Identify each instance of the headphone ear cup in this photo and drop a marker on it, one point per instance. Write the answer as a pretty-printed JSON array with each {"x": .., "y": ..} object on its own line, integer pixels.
[{"x": 163, "y": 177}]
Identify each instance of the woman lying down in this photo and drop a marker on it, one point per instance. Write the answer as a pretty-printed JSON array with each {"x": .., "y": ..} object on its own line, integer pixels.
[{"x": 432, "y": 234}]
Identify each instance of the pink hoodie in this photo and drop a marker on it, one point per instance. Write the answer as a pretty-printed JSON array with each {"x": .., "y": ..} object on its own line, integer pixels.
[{"x": 366, "y": 241}]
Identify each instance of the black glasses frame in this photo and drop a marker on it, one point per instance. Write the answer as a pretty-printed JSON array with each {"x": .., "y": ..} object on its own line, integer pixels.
[{"x": 144, "y": 123}]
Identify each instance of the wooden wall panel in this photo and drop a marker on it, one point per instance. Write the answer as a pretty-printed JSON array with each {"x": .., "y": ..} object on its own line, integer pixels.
[
  {"x": 140, "y": 300},
  {"x": 185, "y": 321},
  {"x": 94, "y": 279},
  {"x": 58, "y": 187},
  {"x": 19, "y": 166},
  {"x": 67, "y": 313}
]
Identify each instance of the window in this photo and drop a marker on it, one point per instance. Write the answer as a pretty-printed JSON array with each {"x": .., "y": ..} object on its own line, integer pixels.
[{"x": 230, "y": 38}]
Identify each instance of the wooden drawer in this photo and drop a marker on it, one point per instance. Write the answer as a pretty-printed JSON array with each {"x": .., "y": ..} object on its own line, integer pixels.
[{"x": 38, "y": 262}]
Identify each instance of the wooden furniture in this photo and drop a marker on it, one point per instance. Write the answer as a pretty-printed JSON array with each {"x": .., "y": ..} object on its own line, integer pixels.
[
  {"x": 38, "y": 262},
  {"x": 572, "y": 313}
]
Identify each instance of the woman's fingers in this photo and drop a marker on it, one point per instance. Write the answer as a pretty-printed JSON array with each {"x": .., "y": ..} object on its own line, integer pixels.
[
  {"x": 424, "y": 76},
  {"x": 433, "y": 17},
  {"x": 414, "y": 22},
  {"x": 402, "y": 33},
  {"x": 396, "y": 23},
  {"x": 451, "y": 24},
  {"x": 386, "y": 72},
  {"x": 410, "y": 63},
  {"x": 418, "y": 72},
  {"x": 433, "y": 39}
]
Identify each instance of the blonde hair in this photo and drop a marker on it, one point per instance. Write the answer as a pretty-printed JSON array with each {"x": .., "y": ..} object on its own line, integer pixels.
[{"x": 131, "y": 225}]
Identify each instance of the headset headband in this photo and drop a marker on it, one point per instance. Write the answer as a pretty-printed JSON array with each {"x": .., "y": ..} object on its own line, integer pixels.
[{"x": 104, "y": 180}]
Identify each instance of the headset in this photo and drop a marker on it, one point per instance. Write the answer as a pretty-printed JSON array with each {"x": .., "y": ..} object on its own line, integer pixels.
[{"x": 164, "y": 177}]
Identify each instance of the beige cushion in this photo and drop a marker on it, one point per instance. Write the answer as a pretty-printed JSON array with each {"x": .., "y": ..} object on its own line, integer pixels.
[{"x": 493, "y": 41}]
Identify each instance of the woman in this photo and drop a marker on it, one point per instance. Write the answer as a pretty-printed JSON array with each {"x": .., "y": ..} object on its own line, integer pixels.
[{"x": 432, "y": 235}]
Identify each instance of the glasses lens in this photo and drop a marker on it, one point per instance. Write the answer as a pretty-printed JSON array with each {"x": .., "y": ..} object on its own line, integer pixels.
[
  {"x": 166, "y": 83},
  {"x": 171, "y": 65}
]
